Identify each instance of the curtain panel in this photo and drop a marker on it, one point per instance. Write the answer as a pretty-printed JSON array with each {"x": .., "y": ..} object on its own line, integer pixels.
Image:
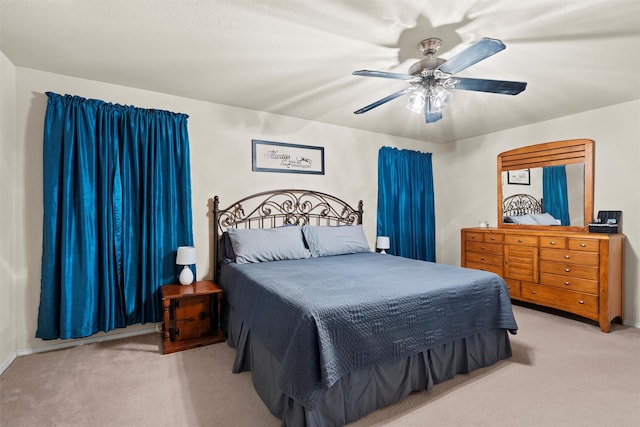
[
  {"x": 405, "y": 203},
  {"x": 117, "y": 204},
  {"x": 555, "y": 198}
]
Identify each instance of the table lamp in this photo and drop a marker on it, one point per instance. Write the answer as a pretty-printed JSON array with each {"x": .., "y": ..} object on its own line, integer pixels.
[
  {"x": 382, "y": 243},
  {"x": 186, "y": 256}
]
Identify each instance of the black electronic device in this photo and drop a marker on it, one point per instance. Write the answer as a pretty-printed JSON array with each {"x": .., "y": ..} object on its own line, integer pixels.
[{"x": 606, "y": 222}]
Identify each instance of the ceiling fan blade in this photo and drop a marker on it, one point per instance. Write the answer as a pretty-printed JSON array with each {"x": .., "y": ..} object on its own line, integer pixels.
[
  {"x": 383, "y": 100},
  {"x": 494, "y": 86},
  {"x": 432, "y": 117},
  {"x": 480, "y": 50},
  {"x": 385, "y": 75}
]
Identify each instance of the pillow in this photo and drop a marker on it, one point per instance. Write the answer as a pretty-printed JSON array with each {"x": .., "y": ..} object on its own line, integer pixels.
[
  {"x": 335, "y": 240},
  {"x": 545, "y": 219},
  {"x": 525, "y": 219},
  {"x": 268, "y": 244}
]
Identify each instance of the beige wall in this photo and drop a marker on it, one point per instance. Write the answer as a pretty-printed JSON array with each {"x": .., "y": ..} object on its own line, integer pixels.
[
  {"x": 220, "y": 140},
  {"x": 11, "y": 206}
]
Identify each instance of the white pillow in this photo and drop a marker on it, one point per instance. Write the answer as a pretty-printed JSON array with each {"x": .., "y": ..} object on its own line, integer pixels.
[
  {"x": 335, "y": 240},
  {"x": 267, "y": 244},
  {"x": 525, "y": 219},
  {"x": 545, "y": 219}
]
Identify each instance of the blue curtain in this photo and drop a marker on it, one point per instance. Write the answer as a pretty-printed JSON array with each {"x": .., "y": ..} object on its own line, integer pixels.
[
  {"x": 554, "y": 193},
  {"x": 117, "y": 204},
  {"x": 405, "y": 203}
]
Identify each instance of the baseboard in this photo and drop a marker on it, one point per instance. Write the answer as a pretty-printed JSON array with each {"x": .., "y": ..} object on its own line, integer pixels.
[
  {"x": 59, "y": 345},
  {"x": 629, "y": 323},
  {"x": 7, "y": 363}
]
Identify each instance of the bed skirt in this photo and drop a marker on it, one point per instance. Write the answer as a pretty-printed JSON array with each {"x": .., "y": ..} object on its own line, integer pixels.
[{"x": 361, "y": 392}]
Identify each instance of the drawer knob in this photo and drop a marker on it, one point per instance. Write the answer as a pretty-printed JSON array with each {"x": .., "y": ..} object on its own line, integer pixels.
[
  {"x": 567, "y": 256},
  {"x": 481, "y": 258},
  {"x": 552, "y": 243},
  {"x": 519, "y": 241},
  {"x": 581, "y": 302},
  {"x": 533, "y": 292},
  {"x": 566, "y": 283},
  {"x": 582, "y": 245},
  {"x": 567, "y": 270}
]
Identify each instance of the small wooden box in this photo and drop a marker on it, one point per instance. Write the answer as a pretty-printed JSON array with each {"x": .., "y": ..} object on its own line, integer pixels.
[{"x": 191, "y": 315}]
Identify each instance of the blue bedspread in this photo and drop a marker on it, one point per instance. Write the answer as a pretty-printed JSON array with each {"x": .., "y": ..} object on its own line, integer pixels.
[{"x": 324, "y": 317}]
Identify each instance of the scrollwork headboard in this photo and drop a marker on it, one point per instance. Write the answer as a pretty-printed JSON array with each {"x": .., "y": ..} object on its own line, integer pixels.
[
  {"x": 275, "y": 208},
  {"x": 521, "y": 204}
]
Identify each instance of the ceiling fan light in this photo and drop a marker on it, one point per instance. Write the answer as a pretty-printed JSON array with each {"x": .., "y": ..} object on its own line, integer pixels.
[
  {"x": 416, "y": 101},
  {"x": 437, "y": 99}
]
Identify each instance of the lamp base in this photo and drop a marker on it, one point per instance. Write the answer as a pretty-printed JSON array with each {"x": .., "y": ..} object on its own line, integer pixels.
[
  {"x": 382, "y": 251},
  {"x": 186, "y": 276}
]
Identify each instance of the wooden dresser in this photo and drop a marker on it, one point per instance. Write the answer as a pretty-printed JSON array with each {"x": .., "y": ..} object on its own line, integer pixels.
[{"x": 576, "y": 272}]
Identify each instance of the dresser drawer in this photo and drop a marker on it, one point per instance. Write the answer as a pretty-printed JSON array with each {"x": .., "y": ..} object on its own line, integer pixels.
[
  {"x": 589, "y": 245},
  {"x": 571, "y": 257},
  {"x": 521, "y": 240},
  {"x": 570, "y": 283},
  {"x": 574, "y": 302},
  {"x": 484, "y": 258},
  {"x": 514, "y": 287},
  {"x": 472, "y": 236},
  {"x": 486, "y": 248},
  {"x": 477, "y": 236},
  {"x": 553, "y": 242},
  {"x": 493, "y": 237},
  {"x": 569, "y": 270},
  {"x": 497, "y": 269}
]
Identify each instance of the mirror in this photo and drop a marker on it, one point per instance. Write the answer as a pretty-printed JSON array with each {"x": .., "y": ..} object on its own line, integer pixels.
[{"x": 547, "y": 185}]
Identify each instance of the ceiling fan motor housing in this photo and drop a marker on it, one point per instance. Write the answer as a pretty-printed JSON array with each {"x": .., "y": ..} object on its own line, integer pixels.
[{"x": 428, "y": 64}]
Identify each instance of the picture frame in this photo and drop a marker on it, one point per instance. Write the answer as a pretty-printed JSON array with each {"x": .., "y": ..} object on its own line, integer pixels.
[
  {"x": 271, "y": 156},
  {"x": 519, "y": 177}
]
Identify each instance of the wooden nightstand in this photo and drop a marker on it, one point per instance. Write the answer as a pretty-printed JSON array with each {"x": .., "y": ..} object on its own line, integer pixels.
[{"x": 191, "y": 315}]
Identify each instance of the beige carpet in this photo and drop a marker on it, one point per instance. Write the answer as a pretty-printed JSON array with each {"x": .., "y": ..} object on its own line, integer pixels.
[{"x": 563, "y": 373}]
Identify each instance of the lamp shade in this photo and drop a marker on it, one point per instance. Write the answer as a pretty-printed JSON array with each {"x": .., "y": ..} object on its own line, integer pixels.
[
  {"x": 382, "y": 242},
  {"x": 186, "y": 255}
]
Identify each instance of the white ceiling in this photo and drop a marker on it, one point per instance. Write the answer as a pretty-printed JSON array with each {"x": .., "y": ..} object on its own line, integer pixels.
[{"x": 295, "y": 57}]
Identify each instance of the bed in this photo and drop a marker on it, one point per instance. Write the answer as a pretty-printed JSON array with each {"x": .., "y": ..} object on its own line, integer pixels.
[
  {"x": 331, "y": 330},
  {"x": 524, "y": 209}
]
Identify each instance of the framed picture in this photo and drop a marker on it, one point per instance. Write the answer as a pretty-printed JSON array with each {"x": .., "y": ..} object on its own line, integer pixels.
[
  {"x": 518, "y": 177},
  {"x": 269, "y": 156}
]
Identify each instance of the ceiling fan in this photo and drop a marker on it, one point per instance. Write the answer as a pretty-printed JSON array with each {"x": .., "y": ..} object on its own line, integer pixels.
[{"x": 431, "y": 78}]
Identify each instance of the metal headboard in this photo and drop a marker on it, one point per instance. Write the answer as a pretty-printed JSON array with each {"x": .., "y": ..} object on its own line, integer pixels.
[
  {"x": 521, "y": 204},
  {"x": 281, "y": 207}
]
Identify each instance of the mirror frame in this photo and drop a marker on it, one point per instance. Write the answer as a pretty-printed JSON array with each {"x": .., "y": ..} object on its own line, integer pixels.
[{"x": 556, "y": 153}]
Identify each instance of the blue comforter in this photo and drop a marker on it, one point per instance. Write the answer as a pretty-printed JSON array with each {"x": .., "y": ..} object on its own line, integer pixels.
[{"x": 325, "y": 317}]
